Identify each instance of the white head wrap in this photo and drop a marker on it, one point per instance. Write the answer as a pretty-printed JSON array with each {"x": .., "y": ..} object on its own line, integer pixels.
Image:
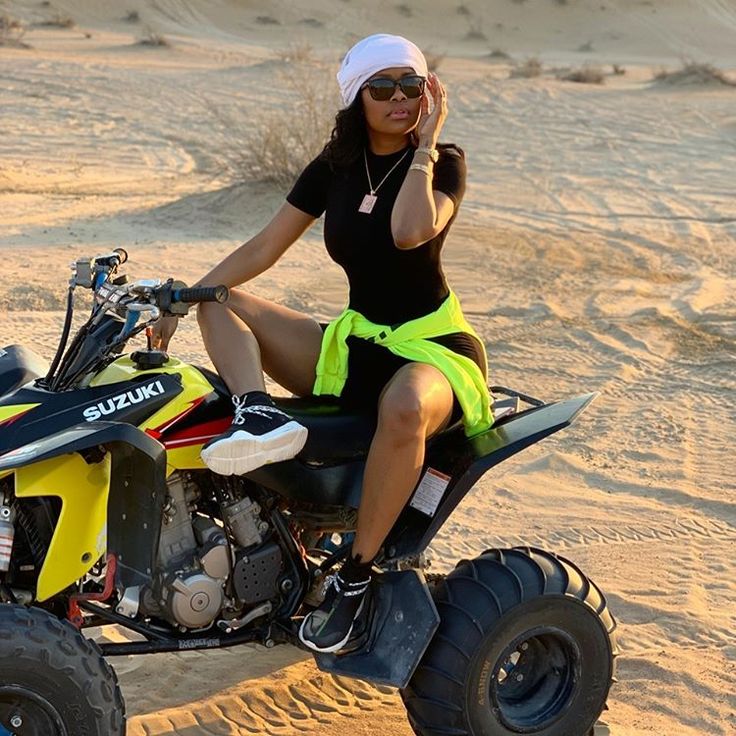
[{"x": 380, "y": 51}]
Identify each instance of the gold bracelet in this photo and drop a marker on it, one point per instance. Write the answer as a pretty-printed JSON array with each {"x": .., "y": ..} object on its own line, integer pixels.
[{"x": 421, "y": 167}]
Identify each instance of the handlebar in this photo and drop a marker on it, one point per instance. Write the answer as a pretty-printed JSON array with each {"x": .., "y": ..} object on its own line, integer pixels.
[
  {"x": 114, "y": 259},
  {"x": 217, "y": 294}
]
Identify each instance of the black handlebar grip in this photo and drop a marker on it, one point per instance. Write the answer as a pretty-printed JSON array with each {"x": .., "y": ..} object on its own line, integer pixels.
[{"x": 218, "y": 294}]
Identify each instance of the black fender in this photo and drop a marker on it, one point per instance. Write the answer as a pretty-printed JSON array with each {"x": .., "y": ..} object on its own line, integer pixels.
[
  {"x": 137, "y": 486},
  {"x": 464, "y": 460},
  {"x": 18, "y": 366}
]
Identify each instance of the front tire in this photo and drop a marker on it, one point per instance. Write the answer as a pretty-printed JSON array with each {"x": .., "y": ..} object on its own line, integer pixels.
[
  {"x": 53, "y": 681},
  {"x": 525, "y": 646}
]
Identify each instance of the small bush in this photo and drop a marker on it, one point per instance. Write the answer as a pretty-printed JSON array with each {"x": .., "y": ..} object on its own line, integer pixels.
[
  {"x": 586, "y": 48},
  {"x": 58, "y": 20},
  {"x": 618, "y": 70},
  {"x": 499, "y": 54},
  {"x": 12, "y": 31},
  {"x": 151, "y": 38},
  {"x": 475, "y": 34},
  {"x": 312, "y": 22},
  {"x": 404, "y": 10},
  {"x": 475, "y": 29},
  {"x": 267, "y": 20},
  {"x": 276, "y": 148},
  {"x": 584, "y": 75},
  {"x": 694, "y": 73},
  {"x": 462, "y": 10},
  {"x": 528, "y": 69},
  {"x": 133, "y": 16}
]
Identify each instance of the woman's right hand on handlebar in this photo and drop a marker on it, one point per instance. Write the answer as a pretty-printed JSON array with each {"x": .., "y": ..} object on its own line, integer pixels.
[{"x": 163, "y": 331}]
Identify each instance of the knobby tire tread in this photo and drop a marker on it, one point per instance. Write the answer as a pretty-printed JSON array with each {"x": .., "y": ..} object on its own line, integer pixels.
[
  {"x": 58, "y": 646},
  {"x": 521, "y": 573}
]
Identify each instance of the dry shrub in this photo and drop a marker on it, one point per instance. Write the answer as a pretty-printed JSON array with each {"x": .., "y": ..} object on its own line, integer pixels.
[
  {"x": 618, "y": 70},
  {"x": 584, "y": 75},
  {"x": 133, "y": 16},
  {"x": 462, "y": 10},
  {"x": 528, "y": 69},
  {"x": 499, "y": 55},
  {"x": 405, "y": 10},
  {"x": 475, "y": 29},
  {"x": 276, "y": 148},
  {"x": 586, "y": 48},
  {"x": 58, "y": 20},
  {"x": 475, "y": 34},
  {"x": 12, "y": 31},
  {"x": 267, "y": 20},
  {"x": 151, "y": 38},
  {"x": 694, "y": 73}
]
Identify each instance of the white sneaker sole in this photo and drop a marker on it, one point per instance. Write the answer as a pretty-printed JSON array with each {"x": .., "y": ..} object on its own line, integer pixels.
[
  {"x": 335, "y": 647},
  {"x": 242, "y": 452}
]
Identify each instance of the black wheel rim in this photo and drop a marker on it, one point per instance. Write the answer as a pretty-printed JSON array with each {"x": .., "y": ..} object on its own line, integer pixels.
[
  {"x": 24, "y": 712},
  {"x": 535, "y": 679}
]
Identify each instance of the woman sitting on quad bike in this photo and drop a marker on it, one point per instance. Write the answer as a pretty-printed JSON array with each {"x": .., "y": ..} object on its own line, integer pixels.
[{"x": 389, "y": 194}]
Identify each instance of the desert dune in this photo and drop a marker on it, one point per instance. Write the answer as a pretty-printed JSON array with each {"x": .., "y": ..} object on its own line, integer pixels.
[{"x": 594, "y": 251}]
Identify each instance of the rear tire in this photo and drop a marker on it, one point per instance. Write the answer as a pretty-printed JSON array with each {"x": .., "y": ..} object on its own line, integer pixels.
[
  {"x": 53, "y": 681},
  {"x": 525, "y": 646}
]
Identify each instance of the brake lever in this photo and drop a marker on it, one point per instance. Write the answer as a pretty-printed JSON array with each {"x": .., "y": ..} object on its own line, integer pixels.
[{"x": 134, "y": 311}]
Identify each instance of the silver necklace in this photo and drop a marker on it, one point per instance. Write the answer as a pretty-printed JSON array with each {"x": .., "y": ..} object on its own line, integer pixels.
[{"x": 369, "y": 201}]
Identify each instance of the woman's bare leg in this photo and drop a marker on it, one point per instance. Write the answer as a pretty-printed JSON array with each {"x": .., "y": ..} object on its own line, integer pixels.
[
  {"x": 249, "y": 335},
  {"x": 414, "y": 405}
]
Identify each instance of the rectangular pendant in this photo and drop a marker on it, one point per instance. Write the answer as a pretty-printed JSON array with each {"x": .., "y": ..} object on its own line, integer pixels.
[{"x": 366, "y": 206}]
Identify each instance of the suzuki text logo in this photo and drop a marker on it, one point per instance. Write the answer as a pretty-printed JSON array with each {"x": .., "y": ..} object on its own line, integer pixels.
[{"x": 123, "y": 401}]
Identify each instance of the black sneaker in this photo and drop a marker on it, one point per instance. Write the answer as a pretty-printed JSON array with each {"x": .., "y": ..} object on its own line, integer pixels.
[
  {"x": 328, "y": 628},
  {"x": 260, "y": 434}
]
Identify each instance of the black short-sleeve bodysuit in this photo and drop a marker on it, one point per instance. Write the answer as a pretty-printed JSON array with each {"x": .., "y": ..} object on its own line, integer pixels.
[{"x": 387, "y": 285}]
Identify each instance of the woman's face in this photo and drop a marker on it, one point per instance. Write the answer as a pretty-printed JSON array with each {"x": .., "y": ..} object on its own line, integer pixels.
[{"x": 397, "y": 115}]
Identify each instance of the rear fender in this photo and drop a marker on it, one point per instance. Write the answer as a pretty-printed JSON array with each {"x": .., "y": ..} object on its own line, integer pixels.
[
  {"x": 98, "y": 470},
  {"x": 465, "y": 460}
]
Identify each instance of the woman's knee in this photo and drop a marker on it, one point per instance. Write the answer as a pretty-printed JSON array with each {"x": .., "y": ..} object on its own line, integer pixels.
[{"x": 402, "y": 414}]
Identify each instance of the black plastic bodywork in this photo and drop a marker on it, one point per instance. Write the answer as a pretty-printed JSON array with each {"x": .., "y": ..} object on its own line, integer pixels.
[
  {"x": 56, "y": 411},
  {"x": 18, "y": 366},
  {"x": 403, "y": 623}
]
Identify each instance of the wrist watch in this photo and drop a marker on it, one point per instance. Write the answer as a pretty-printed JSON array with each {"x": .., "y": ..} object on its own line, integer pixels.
[{"x": 433, "y": 153}]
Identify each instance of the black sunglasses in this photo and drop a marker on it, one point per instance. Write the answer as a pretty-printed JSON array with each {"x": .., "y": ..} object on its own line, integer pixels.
[{"x": 382, "y": 88}]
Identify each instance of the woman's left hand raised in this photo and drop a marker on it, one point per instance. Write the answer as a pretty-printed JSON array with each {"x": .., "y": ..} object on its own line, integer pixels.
[{"x": 431, "y": 122}]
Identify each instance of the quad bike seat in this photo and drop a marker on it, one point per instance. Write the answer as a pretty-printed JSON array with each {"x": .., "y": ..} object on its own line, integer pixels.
[
  {"x": 338, "y": 433},
  {"x": 18, "y": 366}
]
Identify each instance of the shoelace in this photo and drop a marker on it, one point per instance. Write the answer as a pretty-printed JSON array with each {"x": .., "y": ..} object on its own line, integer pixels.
[
  {"x": 347, "y": 589},
  {"x": 260, "y": 409}
]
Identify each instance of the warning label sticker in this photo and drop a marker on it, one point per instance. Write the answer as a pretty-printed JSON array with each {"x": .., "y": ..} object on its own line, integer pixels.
[{"x": 429, "y": 492}]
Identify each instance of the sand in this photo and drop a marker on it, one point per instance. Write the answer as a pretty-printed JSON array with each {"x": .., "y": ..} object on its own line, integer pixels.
[{"x": 593, "y": 252}]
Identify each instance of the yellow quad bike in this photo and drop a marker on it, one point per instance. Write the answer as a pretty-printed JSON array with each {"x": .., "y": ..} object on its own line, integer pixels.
[{"x": 109, "y": 517}]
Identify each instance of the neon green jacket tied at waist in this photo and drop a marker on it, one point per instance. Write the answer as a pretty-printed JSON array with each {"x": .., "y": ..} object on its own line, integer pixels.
[{"x": 411, "y": 340}]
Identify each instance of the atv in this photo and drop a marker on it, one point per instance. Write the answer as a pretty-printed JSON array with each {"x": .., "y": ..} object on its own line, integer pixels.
[{"x": 109, "y": 517}]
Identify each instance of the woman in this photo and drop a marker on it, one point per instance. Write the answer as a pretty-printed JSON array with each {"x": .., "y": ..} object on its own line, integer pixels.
[{"x": 389, "y": 196}]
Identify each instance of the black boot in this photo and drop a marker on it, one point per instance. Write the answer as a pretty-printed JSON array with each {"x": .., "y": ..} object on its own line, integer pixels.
[{"x": 329, "y": 627}]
